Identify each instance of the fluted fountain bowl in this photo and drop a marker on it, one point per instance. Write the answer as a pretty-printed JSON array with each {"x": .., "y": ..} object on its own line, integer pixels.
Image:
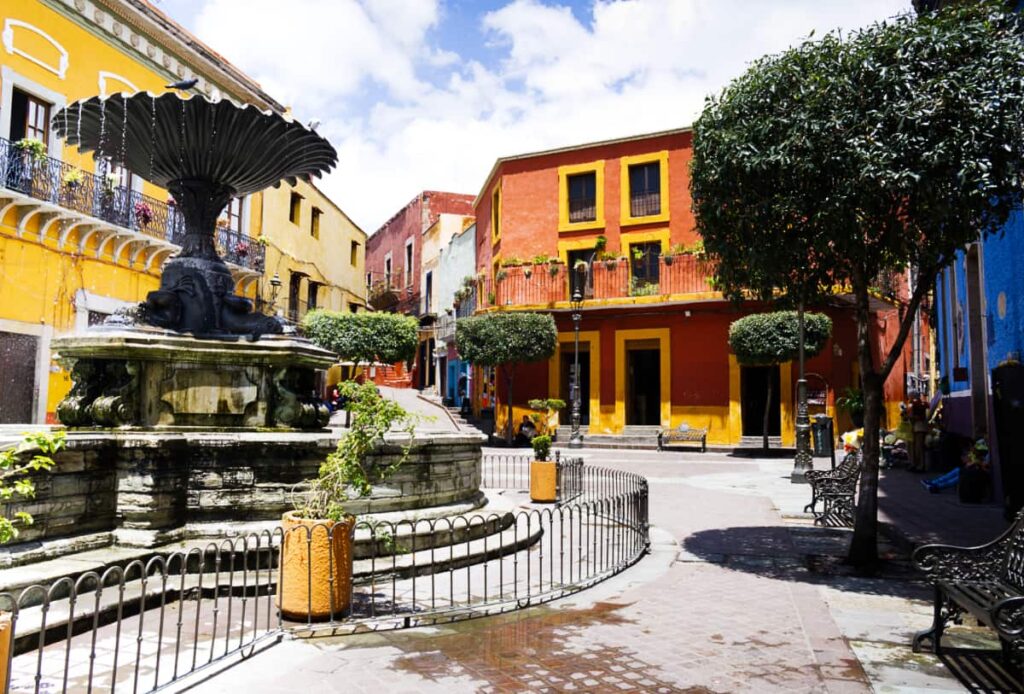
[{"x": 205, "y": 153}]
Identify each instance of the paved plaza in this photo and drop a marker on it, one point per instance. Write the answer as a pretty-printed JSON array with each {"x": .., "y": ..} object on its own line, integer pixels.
[{"x": 740, "y": 593}]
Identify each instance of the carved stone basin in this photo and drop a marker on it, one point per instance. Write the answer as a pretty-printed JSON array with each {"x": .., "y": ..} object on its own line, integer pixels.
[{"x": 157, "y": 379}]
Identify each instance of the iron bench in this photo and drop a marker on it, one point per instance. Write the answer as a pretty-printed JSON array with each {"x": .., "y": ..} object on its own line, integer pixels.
[
  {"x": 836, "y": 490},
  {"x": 668, "y": 437},
  {"x": 986, "y": 582}
]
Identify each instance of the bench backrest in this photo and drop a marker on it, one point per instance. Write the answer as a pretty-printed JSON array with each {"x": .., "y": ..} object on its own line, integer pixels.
[
  {"x": 1013, "y": 565},
  {"x": 850, "y": 465}
]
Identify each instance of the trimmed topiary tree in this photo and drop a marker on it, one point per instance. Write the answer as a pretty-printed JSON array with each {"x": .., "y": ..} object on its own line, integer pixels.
[
  {"x": 769, "y": 339},
  {"x": 364, "y": 338},
  {"x": 503, "y": 340}
]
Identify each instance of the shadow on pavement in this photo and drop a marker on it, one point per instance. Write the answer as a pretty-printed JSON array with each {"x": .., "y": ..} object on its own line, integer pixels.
[{"x": 806, "y": 554}]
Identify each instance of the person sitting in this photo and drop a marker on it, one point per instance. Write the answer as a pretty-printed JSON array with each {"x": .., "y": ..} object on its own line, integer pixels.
[
  {"x": 975, "y": 454},
  {"x": 527, "y": 431}
]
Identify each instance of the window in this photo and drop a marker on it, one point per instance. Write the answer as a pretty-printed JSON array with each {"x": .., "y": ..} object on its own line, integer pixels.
[
  {"x": 30, "y": 117},
  {"x": 353, "y": 253},
  {"x": 428, "y": 292},
  {"x": 121, "y": 175},
  {"x": 582, "y": 197},
  {"x": 354, "y": 308},
  {"x": 294, "y": 282},
  {"x": 232, "y": 215},
  {"x": 312, "y": 289},
  {"x": 582, "y": 280},
  {"x": 387, "y": 269},
  {"x": 645, "y": 189},
  {"x": 369, "y": 279},
  {"x": 314, "y": 222},
  {"x": 644, "y": 264},
  {"x": 295, "y": 208},
  {"x": 496, "y": 215},
  {"x": 408, "y": 262}
]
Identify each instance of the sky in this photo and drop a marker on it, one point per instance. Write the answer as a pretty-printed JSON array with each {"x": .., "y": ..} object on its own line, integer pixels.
[{"x": 426, "y": 94}]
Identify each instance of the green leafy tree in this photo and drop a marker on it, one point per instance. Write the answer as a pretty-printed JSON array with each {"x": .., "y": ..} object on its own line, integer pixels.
[
  {"x": 33, "y": 454},
  {"x": 504, "y": 340},
  {"x": 768, "y": 339},
  {"x": 364, "y": 337},
  {"x": 848, "y": 157}
]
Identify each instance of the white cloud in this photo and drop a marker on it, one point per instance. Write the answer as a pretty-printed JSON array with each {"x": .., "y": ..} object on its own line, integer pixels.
[{"x": 407, "y": 115}]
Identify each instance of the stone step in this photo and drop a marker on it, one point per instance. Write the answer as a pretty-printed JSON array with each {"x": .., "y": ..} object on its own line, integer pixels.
[{"x": 758, "y": 442}]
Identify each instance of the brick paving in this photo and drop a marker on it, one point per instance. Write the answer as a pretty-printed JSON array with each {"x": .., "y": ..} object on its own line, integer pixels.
[{"x": 725, "y": 603}]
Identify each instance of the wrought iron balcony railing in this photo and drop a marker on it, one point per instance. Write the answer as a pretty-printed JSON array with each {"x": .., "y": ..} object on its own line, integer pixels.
[{"x": 58, "y": 183}]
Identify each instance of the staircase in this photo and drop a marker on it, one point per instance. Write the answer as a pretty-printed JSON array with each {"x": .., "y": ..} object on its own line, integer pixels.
[{"x": 643, "y": 437}]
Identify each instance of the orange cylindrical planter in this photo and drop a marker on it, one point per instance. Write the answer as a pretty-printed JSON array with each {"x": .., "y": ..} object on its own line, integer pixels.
[
  {"x": 6, "y": 637},
  {"x": 315, "y": 575},
  {"x": 543, "y": 481}
]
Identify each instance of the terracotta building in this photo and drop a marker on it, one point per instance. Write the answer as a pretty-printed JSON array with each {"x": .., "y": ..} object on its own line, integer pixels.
[
  {"x": 394, "y": 268},
  {"x": 613, "y": 220}
]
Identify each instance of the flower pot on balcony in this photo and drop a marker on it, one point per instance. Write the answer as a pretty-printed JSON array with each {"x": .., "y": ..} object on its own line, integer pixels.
[{"x": 315, "y": 575}]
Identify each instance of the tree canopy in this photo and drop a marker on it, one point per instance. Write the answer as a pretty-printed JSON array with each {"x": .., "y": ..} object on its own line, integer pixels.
[
  {"x": 364, "y": 337},
  {"x": 764, "y": 339},
  {"x": 504, "y": 340},
  {"x": 847, "y": 157},
  {"x": 495, "y": 339}
]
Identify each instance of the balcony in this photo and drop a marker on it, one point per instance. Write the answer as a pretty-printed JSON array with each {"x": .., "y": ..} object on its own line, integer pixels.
[
  {"x": 548, "y": 285},
  {"x": 72, "y": 203}
]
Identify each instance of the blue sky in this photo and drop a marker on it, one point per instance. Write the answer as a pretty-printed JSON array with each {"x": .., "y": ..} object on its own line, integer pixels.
[{"x": 426, "y": 94}]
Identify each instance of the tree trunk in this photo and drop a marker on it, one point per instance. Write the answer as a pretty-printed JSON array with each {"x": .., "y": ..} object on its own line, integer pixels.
[
  {"x": 864, "y": 545},
  {"x": 508, "y": 391},
  {"x": 767, "y": 413}
]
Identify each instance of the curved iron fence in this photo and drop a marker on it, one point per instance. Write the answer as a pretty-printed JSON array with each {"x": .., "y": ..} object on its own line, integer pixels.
[{"x": 147, "y": 624}]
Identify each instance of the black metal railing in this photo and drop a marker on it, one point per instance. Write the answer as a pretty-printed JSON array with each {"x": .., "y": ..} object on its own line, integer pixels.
[
  {"x": 59, "y": 183},
  {"x": 645, "y": 204},
  {"x": 583, "y": 209},
  {"x": 147, "y": 624}
]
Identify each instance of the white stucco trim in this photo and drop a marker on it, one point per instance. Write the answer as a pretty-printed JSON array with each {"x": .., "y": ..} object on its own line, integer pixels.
[
  {"x": 8, "y": 39},
  {"x": 104, "y": 75},
  {"x": 9, "y": 79},
  {"x": 41, "y": 378},
  {"x": 87, "y": 301}
]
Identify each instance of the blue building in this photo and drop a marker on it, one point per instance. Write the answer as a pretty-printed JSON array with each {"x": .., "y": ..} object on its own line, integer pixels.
[
  {"x": 979, "y": 321},
  {"x": 457, "y": 262}
]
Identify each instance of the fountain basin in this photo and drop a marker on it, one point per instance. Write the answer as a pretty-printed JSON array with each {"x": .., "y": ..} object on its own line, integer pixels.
[{"x": 151, "y": 378}]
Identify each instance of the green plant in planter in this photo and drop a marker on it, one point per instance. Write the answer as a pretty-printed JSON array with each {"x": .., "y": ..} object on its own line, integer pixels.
[
  {"x": 347, "y": 474},
  {"x": 550, "y": 406},
  {"x": 73, "y": 178},
  {"x": 541, "y": 448},
  {"x": 33, "y": 147},
  {"x": 601, "y": 243},
  {"x": 500, "y": 275},
  {"x": 554, "y": 269},
  {"x": 852, "y": 402},
  {"x": 16, "y": 469}
]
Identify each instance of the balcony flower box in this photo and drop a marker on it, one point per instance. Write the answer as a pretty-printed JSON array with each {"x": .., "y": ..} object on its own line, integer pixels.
[{"x": 143, "y": 213}]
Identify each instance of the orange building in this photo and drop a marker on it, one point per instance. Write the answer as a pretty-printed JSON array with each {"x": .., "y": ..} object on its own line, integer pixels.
[{"x": 613, "y": 220}]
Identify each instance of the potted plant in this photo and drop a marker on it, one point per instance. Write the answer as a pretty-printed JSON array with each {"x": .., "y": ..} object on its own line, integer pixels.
[
  {"x": 553, "y": 269},
  {"x": 527, "y": 272},
  {"x": 315, "y": 580},
  {"x": 34, "y": 148},
  {"x": 852, "y": 402},
  {"x": 550, "y": 408},
  {"x": 16, "y": 484},
  {"x": 143, "y": 213},
  {"x": 543, "y": 472},
  {"x": 500, "y": 275},
  {"x": 72, "y": 179}
]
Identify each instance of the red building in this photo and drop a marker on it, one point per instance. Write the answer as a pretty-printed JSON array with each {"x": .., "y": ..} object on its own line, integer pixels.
[
  {"x": 393, "y": 266},
  {"x": 613, "y": 219}
]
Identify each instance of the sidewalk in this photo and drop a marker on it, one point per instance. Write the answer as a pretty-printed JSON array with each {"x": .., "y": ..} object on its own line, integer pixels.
[{"x": 730, "y": 600}]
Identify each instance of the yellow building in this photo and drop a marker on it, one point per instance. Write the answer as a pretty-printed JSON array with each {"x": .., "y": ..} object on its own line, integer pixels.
[
  {"x": 315, "y": 254},
  {"x": 80, "y": 238}
]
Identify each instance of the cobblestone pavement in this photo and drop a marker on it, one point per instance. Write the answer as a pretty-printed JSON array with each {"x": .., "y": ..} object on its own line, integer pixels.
[{"x": 739, "y": 594}]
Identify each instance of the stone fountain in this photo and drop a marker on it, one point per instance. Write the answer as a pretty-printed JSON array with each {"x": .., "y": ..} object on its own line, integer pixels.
[
  {"x": 192, "y": 354},
  {"x": 192, "y": 414}
]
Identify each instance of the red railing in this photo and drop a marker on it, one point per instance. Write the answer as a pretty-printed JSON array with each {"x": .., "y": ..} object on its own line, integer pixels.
[{"x": 540, "y": 285}]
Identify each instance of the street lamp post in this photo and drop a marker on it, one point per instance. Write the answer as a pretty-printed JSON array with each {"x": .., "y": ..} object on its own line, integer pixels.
[
  {"x": 576, "y": 303},
  {"x": 804, "y": 461}
]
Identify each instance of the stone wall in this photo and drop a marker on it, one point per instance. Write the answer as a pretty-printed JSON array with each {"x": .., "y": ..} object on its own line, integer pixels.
[{"x": 149, "y": 487}]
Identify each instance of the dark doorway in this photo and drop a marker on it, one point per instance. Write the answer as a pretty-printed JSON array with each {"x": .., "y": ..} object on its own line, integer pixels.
[
  {"x": 754, "y": 382},
  {"x": 565, "y": 387},
  {"x": 643, "y": 386},
  {"x": 17, "y": 377}
]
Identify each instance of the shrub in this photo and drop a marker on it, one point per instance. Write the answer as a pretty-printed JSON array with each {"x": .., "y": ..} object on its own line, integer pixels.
[
  {"x": 541, "y": 447},
  {"x": 364, "y": 337},
  {"x": 15, "y": 476}
]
